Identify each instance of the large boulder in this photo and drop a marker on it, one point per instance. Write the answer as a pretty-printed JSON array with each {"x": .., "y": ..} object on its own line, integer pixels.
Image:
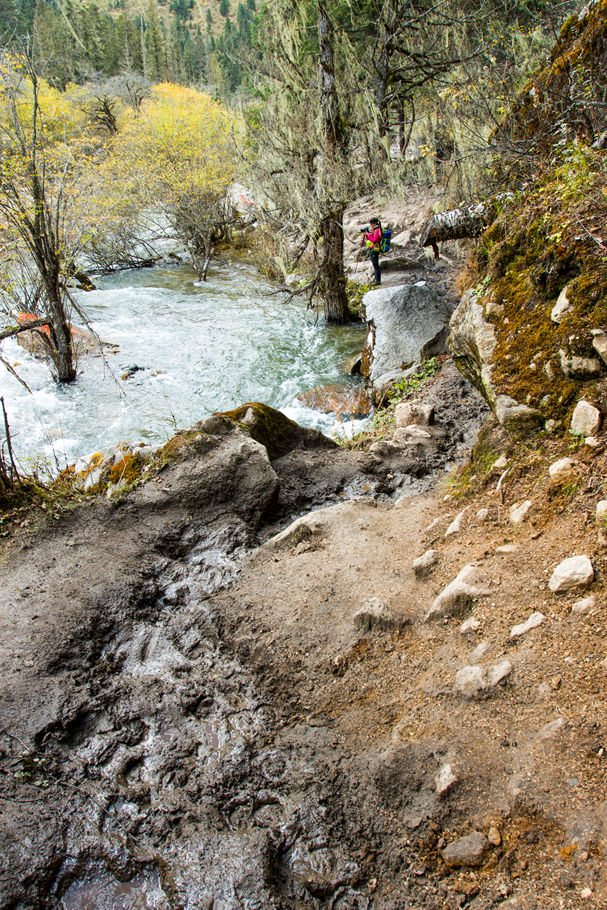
[
  {"x": 274, "y": 430},
  {"x": 407, "y": 324},
  {"x": 472, "y": 342}
]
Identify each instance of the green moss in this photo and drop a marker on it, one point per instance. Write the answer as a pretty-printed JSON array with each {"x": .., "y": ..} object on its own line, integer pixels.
[
  {"x": 543, "y": 243},
  {"x": 267, "y": 426}
]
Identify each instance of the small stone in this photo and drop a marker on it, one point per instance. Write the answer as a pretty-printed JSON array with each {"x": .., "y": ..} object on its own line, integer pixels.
[
  {"x": 593, "y": 442},
  {"x": 584, "y": 368},
  {"x": 550, "y": 370},
  {"x": 586, "y": 419},
  {"x": 471, "y": 682},
  {"x": 586, "y": 893},
  {"x": 457, "y": 596},
  {"x": 414, "y": 412},
  {"x": 580, "y": 607},
  {"x": 575, "y": 572},
  {"x": 494, "y": 837},
  {"x": 535, "y": 620},
  {"x": 469, "y": 625},
  {"x": 482, "y": 515},
  {"x": 517, "y": 419},
  {"x": 561, "y": 307},
  {"x": 476, "y": 682},
  {"x": 498, "y": 672},
  {"x": 466, "y": 851},
  {"x": 445, "y": 779},
  {"x": 506, "y": 548},
  {"x": 519, "y": 511},
  {"x": 424, "y": 564},
  {"x": 599, "y": 343},
  {"x": 551, "y": 426},
  {"x": 456, "y": 524},
  {"x": 376, "y": 615},
  {"x": 501, "y": 463},
  {"x": 562, "y": 470}
]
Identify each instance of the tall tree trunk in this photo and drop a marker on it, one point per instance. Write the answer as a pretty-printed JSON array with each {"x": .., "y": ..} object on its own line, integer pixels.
[
  {"x": 332, "y": 279},
  {"x": 61, "y": 338}
]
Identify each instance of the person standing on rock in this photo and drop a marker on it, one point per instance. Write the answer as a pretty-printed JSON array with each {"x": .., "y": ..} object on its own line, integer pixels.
[{"x": 372, "y": 240}]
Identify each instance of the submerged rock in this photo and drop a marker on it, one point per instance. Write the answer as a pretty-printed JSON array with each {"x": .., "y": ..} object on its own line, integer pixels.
[{"x": 345, "y": 401}]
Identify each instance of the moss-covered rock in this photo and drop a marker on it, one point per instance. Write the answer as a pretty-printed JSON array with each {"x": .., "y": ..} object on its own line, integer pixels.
[
  {"x": 273, "y": 430},
  {"x": 539, "y": 272}
]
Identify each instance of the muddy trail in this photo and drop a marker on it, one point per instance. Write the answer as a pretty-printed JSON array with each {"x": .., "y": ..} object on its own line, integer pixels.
[{"x": 166, "y": 735}]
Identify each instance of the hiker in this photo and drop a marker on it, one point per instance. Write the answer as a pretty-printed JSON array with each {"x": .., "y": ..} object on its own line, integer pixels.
[{"x": 372, "y": 239}]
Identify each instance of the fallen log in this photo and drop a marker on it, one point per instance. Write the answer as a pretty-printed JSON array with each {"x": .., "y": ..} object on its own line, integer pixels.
[{"x": 467, "y": 221}]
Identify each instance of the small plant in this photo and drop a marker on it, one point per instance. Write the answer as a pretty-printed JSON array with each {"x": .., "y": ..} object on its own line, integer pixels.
[
  {"x": 576, "y": 440},
  {"x": 405, "y": 388}
]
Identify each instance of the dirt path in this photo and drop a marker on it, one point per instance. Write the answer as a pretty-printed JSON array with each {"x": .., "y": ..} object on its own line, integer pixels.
[{"x": 188, "y": 720}]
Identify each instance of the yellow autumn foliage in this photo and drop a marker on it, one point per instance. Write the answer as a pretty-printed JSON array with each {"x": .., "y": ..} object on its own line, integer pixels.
[{"x": 181, "y": 143}]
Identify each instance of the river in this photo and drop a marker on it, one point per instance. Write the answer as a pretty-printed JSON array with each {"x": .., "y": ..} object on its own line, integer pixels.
[{"x": 199, "y": 348}]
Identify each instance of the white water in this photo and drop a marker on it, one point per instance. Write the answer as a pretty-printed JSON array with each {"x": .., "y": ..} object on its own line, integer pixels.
[{"x": 202, "y": 348}]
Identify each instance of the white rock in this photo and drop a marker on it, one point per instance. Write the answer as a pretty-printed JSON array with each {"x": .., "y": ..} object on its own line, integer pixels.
[
  {"x": 498, "y": 672},
  {"x": 482, "y": 514},
  {"x": 412, "y": 435},
  {"x": 575, "y": 572},
  {"x": 584, "y": 606},
  {"x": 424, "y": 564},
  {"x": 562, "y": 470},
  {"x": 457, "y": 596},
  {"x": 561, "y": 307},
  {"x": 592, "y": 442},
  {"x": 601, "y": 510},
  {"x": 551, "y": 425},
  {"x": 535, "y": 620},
  {"x": 518, "y": 511},
  {"x": 445, "y": 779},
  {"x": 414, "y": 412},
  {"x": 471, "y": 682},
  {"x": 501, "y": 463},
  {"x": 469, "y": 625},
  {"x": 293, "y": 280},
  {"x": 586, "y": 419},
  {"x": 506, "y": 548},
  {"x": 550, "y": 370},
  {"x": 456, "y": 524},
  {"x": 599, "y": 343},
  {"x": 477, "y": 682}
]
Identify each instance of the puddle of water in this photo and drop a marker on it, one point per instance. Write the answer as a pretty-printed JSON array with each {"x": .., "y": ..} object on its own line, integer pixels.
[{"x": 102, "y": 891}]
